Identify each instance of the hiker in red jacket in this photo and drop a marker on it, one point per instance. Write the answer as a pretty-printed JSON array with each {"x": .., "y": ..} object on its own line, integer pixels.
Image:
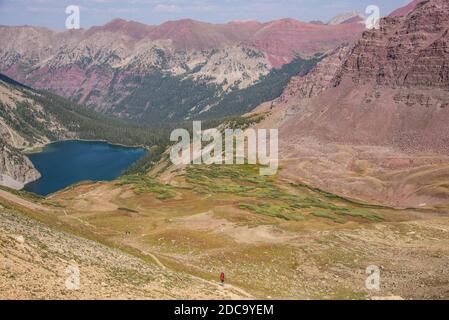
[{"x": 222, "y": 278}]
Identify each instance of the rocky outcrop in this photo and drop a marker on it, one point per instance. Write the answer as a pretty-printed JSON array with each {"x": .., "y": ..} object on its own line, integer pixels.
[
  {"x": 407, "y": 50},
  {"x": 348, "y": 17},
  {"x": 16, "y": 170},
  {"x": 319, "y": 79}
]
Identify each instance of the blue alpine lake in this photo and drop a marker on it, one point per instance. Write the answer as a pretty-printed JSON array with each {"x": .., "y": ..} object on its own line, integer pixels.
[{"x": 62, "y": 164}]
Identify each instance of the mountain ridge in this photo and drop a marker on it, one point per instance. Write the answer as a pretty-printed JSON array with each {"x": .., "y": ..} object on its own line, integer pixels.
[
  {"x": 406, "y": 9},
  {"x": 103, "y": 66}
]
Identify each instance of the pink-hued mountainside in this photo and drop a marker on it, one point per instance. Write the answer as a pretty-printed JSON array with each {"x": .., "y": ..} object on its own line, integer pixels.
[
  {"x": 403, "y": 11},
  {"x": 122, "y": 67},
  {"x": 392, "y": 87},
  {"x": 376, "y": 111}
]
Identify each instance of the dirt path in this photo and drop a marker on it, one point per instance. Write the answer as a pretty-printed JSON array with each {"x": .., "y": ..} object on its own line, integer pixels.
[
  {"x": 35, "y": 271},
  {"x": 226, "y": 286},
  {"x": 212, "y": 283},
  {"x": 158, "y": 262},
  {"x": 33, "y": 206},
  {"x": 22, "y": 202}
]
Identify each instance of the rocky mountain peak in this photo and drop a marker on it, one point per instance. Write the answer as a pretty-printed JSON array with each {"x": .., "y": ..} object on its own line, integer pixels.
[
  {"x": 349, "y": 17},
  {"x": 406, "y": 51}
]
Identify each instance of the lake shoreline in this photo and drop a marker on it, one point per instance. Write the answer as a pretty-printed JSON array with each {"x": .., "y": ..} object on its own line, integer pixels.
[
  {"x": 74, "y": 160},
  {"x": 40, "y": 147}
]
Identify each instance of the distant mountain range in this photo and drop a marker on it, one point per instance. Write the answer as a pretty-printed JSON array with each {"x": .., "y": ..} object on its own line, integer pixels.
[{"x": 177, "y": 70}]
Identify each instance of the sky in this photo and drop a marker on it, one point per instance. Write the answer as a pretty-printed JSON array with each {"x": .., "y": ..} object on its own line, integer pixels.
[{"x": 51, "y": 13}]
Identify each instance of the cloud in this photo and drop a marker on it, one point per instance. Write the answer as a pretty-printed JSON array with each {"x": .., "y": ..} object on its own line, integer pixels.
[
  {"x": 167, "y": 8},
  {"x": 45, "y": 10}
]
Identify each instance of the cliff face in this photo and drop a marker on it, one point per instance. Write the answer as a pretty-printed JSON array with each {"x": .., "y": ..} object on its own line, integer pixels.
[
  {"x": 16, "y": 170},
  {"x": 318, "y": 79},
  {"x": 407, "y": 50},
  {"x": 390, "y": 89}
]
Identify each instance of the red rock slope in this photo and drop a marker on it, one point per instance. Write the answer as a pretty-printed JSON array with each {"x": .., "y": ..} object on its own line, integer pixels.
[
  {"x": 371, "y": 120},
  {"x": 403, "y": 11},
  {"x": 392, "y": 88}
]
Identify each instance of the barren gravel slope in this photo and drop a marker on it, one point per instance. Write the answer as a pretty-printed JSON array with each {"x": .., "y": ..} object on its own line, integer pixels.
[{"x": 34, "y": 261}]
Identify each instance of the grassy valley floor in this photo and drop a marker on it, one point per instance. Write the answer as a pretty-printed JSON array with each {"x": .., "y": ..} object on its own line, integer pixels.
[{"x": 272, "y": 238}]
